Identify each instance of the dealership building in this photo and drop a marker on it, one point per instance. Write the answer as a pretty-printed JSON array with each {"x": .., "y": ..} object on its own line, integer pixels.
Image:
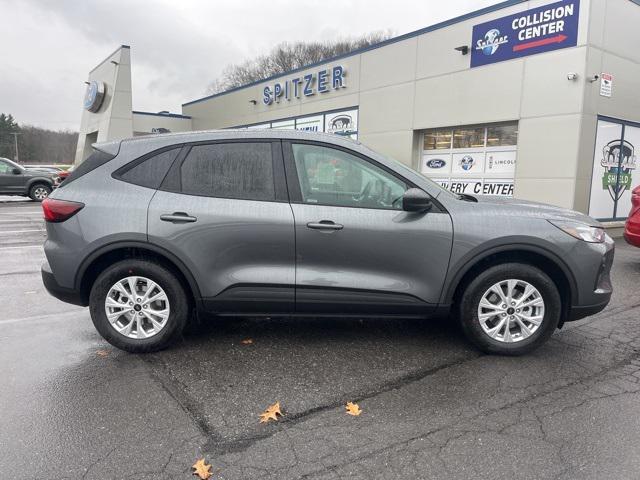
[{"x": 532, "y": 99}]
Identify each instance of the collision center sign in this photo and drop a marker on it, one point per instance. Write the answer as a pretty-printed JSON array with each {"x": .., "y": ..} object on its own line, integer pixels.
[{"x": 542, "y": 29}]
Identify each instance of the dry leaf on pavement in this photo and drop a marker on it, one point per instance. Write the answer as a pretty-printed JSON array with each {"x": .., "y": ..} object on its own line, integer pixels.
[
  {"x": 202, "y": 469},
  {"x": 102, "y": 353},
  {"x": 247, "y": 341},
  {"x": 271, "y": 413},
  {"x": 353, "y": 409}
]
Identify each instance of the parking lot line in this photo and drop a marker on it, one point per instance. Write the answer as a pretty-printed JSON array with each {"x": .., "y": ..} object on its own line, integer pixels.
[
  {"x": 20, "y": 246},
  {"x": 46, "y": 316},
  {"x": 24, "y": 231}
]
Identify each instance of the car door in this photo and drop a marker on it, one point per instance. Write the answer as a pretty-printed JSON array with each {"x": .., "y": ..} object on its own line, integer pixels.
[
  {"x": 10, "y": 182},
  {"x": 357, "y": 251},
  {"x": 223, "y": 210}
]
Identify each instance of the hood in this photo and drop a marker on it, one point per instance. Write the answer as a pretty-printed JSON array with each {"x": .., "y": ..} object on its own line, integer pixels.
[{"x": 526, "y": 208}]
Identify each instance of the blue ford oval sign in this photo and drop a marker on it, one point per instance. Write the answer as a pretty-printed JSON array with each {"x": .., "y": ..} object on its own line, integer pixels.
[
  {"x": 436, "y": 163},
  {"x": 94, "y": 96}
]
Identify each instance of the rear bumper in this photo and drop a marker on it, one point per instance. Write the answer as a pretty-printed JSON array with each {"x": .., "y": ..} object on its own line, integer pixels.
[{"x": 61, "y": 293}]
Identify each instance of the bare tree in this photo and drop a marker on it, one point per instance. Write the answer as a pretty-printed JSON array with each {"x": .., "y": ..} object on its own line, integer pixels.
[{"x": 289, "y": 56}]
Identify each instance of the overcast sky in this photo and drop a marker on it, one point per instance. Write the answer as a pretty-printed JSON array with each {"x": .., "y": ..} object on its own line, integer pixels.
[{"x": 177, "y": 47}]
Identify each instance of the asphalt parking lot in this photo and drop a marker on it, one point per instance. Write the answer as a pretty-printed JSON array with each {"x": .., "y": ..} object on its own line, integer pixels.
[{"x": 433, "y": 407}]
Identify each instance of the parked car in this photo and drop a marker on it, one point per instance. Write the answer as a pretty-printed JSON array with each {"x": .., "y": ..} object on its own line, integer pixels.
[
  {"x": 64, "y": 174},
  {"x": 53, "y": 170},
  {"x": 147, "y": 230},
  {"x": 632, "y": 226},
  {"x": 16, "y": 180}
]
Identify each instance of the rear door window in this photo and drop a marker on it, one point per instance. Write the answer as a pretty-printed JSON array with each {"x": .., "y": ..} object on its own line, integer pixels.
[
  {"x": 229, "y": 170},
  {"x": 150, "y": 171},
  {"x": 93, "y": 161}
]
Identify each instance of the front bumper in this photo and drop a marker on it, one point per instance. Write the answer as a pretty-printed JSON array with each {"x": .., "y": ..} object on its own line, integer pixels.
[
  {"x": 61, "y": 293},
  {"x": 602, "y": 288}
]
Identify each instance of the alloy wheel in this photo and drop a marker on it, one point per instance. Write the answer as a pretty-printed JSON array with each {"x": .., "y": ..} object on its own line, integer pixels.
[
  {"x": 40, "y": 193},
  {"x": 137, "y": 307},
  {"x": 511, "y": 310}
]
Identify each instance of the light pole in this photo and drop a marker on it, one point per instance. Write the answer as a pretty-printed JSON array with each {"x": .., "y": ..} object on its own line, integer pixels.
[{"x": 15, "y": 140}]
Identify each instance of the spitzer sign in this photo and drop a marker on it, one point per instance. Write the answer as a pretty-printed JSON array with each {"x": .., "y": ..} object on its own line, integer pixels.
[{"x": 538, "y": 30}]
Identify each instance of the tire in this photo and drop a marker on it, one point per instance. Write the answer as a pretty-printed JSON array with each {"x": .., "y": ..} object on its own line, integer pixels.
[
  {"x": 39, "y": 191},
  {"x": 134, "y": 341},
  {"x": 516, "y": 341}
]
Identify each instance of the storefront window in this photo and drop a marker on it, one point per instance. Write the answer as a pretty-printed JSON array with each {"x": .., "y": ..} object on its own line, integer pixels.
[
  {"x": 477, "y": 159},
  {"x": 501, "y": 135},
  {"x": 468, "y": 137},
  {"x": 437, "y": 139}
]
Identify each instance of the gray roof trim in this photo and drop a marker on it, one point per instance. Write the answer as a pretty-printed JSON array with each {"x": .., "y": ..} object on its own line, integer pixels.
[{"x": 154, "y": 114}]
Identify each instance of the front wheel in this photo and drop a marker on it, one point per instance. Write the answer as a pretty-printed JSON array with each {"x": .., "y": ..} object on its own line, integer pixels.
[
  {"x": 510, "y": 309},
  {"x": 138, "y": 306}
]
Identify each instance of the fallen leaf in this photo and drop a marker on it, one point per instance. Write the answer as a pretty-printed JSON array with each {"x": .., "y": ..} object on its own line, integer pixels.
[
  {"x": 353, "y": 409},
  {"x": 202, "y": 469},
  {"x": 102, "y": 353},
  {"x": 247, "y": 341},
  {"x": 271, "y": 413}
]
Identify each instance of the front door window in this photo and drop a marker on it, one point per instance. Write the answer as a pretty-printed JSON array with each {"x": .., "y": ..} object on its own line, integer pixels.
[{"x": 334, "y": 177}]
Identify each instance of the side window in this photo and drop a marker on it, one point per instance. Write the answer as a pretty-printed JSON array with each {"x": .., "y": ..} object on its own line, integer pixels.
[
  {"x": 5, "y": 168},
  {"x": 333, "y": 177},
  {"x": 229, "y": 170},
  {"x": 151, "y": 171}
]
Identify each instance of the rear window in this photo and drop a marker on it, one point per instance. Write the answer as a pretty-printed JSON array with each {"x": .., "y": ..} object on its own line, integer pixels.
[
  {"x": 229, "y": 170},
  {"x": 93, "y": 161},
  {"x": 150, "y": 171}
]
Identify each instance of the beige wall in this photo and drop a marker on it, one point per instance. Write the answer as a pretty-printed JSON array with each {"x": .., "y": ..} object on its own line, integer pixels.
[
  {"x": 421, "y": 82},
  {"x": 114, "y": 119}
]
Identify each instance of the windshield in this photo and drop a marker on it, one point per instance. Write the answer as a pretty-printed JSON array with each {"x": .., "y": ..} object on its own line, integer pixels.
[{"x": 12, "y": 164}]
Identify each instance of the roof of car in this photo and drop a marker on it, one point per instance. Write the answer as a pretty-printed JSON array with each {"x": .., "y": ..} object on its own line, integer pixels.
[{"x": 165, "y": 139}]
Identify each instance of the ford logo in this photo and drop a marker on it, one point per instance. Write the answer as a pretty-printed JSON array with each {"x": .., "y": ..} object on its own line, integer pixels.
[{"x": 436, "y": 163}]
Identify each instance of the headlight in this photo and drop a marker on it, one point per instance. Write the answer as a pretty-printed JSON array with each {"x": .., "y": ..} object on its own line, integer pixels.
[{"x": 581, "y": 231}]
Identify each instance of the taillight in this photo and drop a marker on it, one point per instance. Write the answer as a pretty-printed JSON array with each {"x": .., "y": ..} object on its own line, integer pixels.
[{"x": 57, "y": 211}]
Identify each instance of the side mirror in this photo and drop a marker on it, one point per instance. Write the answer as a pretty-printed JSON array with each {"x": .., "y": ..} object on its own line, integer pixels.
[
  {"x": 415, "y": 200},
  {"x": 17, "y": 171}
]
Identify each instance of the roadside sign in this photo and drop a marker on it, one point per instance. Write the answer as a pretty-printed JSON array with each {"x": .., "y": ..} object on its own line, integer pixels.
[{"x": 606, "y": 84}]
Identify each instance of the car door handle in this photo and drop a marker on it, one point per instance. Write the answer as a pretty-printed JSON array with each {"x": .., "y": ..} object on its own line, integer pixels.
[
  {"x": 325, "y": 225},
  {"x": 178, "y": 217}
]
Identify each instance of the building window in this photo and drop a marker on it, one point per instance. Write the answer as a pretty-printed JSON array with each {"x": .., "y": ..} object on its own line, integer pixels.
[
  {"x": 437, "y": 139},
  {"x": 468, "y": 137},
  {"x": 501, "y": 135},
  {"x": 476, "y": 159}
]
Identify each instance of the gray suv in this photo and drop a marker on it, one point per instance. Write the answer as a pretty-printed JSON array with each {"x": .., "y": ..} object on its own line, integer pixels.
[
  {"x": 17, "y": 180},
  {"x": 149, "y": 230}
]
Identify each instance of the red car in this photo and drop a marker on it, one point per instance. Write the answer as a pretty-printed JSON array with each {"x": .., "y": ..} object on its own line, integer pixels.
[{"x": 632, "y": 227}]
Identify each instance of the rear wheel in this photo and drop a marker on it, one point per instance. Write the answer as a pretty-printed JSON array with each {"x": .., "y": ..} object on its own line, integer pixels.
[
  {"x": 138, "y": 306},
  {"x": 39, "y": 192},
  {"x": 510, "y": 309}
]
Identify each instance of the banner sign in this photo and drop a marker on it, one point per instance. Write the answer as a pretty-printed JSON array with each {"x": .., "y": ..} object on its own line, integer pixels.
[
  {"x": 614, "y": 169},
  {"x": 538, "y": 30}
]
